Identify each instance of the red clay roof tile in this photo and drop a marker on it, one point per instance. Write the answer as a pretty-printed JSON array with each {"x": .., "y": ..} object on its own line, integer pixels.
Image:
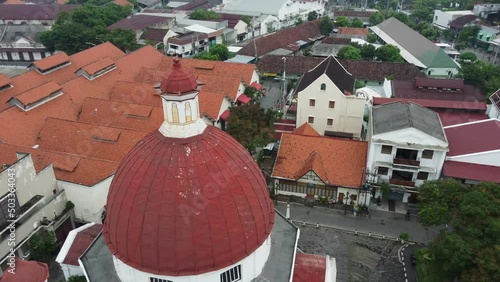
[
  {"x": 52, "y": 61},
  {"x": 38, "y": 93},
  {"x": 4, "y": 80},
  {"x": 98, "y": 65},
  {"x": 309, "y": 268},
  {"x": 353, "y": 31},
  {"x": 306, "y": 129}
]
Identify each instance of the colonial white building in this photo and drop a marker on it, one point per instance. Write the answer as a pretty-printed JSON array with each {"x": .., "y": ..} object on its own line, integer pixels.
[
  {"x": 327, "y": 101},
  {"x": 407, "y": 146}
]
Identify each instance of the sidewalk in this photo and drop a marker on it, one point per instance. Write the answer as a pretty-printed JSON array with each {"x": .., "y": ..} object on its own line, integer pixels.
[{"x": 379, "y": 223}]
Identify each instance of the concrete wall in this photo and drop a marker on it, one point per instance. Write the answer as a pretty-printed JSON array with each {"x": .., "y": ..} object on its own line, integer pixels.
[
  {"x": 347, "y": 115},
  {"x": 251, "y": 268},
  {"x": 89, "y": 201}
]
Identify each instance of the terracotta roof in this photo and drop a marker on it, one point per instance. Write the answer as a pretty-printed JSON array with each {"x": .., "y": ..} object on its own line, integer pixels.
[
  {"x": 38, "y": 93},
  {"x": 232, "y": 19},
  {"x": 155, "y": 34},
  {"x": 4, "y": 80},
  {"x": 358, "y": 14},
  {"x": 308, "y": 31},
  {"x": 98, "y": 65},
  {"x": 306, "y": 129},
  {"x": 353, "y": 31},
  {"x": 229, "y": 85},
  {"x": 150, "y": 234},
  {"x": 138, "y": 22},
  {"x": 178, "y": 81},
  {"x": 52, "y": 61},
  {"x": 101, "y": 142},
  {"x": 334, "y": 70},
  {"x": 338, "y": 162},
  {"x": 309, "y": 268},
  {"x": 210, "y": 103},
  {"x": 369, "y": 70},
  {"x": 473, "y": 137},
  {"x": 434, "y": 104},
  {"x": 122, "y": 2},
  {"x": 409, "y": 90},
  {"x": 81, "y": 243},
  {"x": 460, "y": 22},
  {"x": 471, "y": 171},
  {"x": 26, "y": 271},
  {"x": 336, "y": 40}
]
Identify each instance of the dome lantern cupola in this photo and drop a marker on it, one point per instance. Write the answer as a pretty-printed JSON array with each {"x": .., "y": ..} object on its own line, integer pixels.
[{"x": 179, "y": 92}]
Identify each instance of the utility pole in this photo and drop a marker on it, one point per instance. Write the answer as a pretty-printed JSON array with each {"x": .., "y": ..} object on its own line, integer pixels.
[{"x": 284, "y": 83}]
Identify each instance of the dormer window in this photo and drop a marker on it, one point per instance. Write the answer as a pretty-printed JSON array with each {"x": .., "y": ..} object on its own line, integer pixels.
[
  {"x": 51, "y": 63},
  {"x": 323, "y": 86},
  {"x": 37, "y": 96},
  {"x": 97, "y": 69},
  {"x": 4, "y": 83}
]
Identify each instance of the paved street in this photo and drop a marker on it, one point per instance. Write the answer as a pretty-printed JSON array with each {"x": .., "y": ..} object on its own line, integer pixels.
[
  {"x": 273, "y": 93},
  {"x": 410, "y": 268},
  {"x": 379, "y": 223}
]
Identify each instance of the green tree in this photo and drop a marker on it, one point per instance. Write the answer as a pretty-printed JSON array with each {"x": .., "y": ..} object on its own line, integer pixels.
[
  {"x": 312, "y": 15},
  {"x": 307, "y": 52},
  {"x": 430, "y": 33},
  {"x": 325, "y": 25},
  {"x": 368, "y": 52},
  {"x": 467, "y": 57},
  {"x": 251, "y": 125},
  {"x": 359, "y": 84},
  {"x": 470, "y": 250},
  {"x": 349, "y": 52},
  {"x": 220, "y": 51},
  {"x": 402, "y": 17},
  {"x": 204, "y": 15},
  {"x": 299, "y": 21},
  {"x": 246, "y": 19},
  {"x": 389, "y": 53},
  {"x": 423, "y": 10},
  {"x": 372, "y": 38},
  {"x": 42, "y": 245},
  {"x": 77, "y": 278},
  {"x": 341, "y": 21},
  {"x": 356, "y": 23},
  {"x": 122, "y": 38},
  {"x": 449, "y": 34},
  {"x": 485, "y": 76},
  {"x": 376, "y": 18},
  {"x": 206, "y": 56},
  {"x": 468, "y": 35}
]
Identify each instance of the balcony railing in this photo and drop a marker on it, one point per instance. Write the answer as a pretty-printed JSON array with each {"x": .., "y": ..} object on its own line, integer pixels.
[
  {"x": 402, "y": 182},
  {"x": 22, "y": 45},
  {"x": 406, "y": 162}
]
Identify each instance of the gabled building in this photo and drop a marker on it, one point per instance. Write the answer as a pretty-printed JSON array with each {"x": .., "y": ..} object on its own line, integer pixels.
[
  {"x": 407, "y": 146},
  {"x": 139, "y": 23},
  {"x": 326, "y": 100},
  {"x": 312, "y": 165},
  {"x": 474, "y": 154},
  {"x": 40, "y": 14},
  {"x": 443, "y": 19},
  {"x": 416, "y": 49}
]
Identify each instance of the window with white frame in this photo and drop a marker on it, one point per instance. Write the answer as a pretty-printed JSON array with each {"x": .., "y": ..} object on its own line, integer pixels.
[
  {"x": 231, "y": 275},
  {"x": 153, "y": 279}
]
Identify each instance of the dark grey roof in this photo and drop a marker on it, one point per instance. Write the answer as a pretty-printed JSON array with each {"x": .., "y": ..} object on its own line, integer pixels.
[
  {"x": 334, "y": 70},
  {"x": 98, "y": 260},
  {"x": 33, "y": 12},
  {"x": 398, "y": 115}
]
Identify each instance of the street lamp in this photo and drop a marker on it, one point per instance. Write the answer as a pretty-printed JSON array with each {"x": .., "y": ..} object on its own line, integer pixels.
[
  {"x": 276, "y": 193},
  {"x": 347, "y": 202}
]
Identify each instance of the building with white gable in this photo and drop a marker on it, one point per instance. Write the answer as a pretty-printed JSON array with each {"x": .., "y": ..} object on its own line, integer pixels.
[
  {"x": 189, "y": 203},
  {"x": 407, "y": 146}
]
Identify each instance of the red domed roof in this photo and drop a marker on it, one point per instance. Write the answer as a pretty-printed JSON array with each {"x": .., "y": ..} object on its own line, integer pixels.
[
  {"x": 26, "y": 271},
  {"x": 178, "y": 81},
  {"x": 187, "y": 206}
]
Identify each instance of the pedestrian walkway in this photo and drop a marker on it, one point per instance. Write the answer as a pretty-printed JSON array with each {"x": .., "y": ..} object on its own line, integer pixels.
[{"x": 378, "y": 223}]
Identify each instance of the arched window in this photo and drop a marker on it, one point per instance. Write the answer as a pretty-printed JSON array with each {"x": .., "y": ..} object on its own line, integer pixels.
[{"x": 323, "y": 86}]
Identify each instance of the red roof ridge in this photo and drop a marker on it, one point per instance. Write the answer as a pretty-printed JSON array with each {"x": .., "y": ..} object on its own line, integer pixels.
[
  {"x": 98, "y": 65},
  {"x": 37, "y": 93},
  {"x": 315, "y": 163},
  {"x": 472, "y": 122},
  {"x": 305, "y": 129},
  {"x": 51, "y": 61}
]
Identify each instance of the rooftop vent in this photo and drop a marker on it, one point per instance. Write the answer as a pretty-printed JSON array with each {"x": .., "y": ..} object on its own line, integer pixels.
[
  {"x": 4, "y": 82},
  {"x": 51, "y": 63},
  {"x": 138, "y": 111},
  {"x": 97, "y": 69},
  {"x": 36, "y": 96}
]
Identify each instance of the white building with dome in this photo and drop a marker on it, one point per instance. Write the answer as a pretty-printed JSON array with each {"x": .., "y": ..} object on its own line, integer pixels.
[{"x": 189, "y": 204}]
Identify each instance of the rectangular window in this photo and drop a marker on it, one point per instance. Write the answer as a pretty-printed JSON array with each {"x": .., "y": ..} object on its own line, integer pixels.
[
  {"x": 386, "y": 149},
  {"x": 427, "y": 154},
  {"x": 310, "y": 120},
  {"x": 382, "y": 170},
  {"x": 422, "y": 175},
  {"x": 312, "y": 102},
  {"x": 331, "y": 105},
  {"x": 231, "y": 275},
  {"x": 152, "y": 279},
  {"x": 329, "y": 122}
]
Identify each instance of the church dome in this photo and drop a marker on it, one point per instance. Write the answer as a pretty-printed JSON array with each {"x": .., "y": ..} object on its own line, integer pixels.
[
  {"x": 178, "y": 81},
  {"x": 187, "y": 206}
]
